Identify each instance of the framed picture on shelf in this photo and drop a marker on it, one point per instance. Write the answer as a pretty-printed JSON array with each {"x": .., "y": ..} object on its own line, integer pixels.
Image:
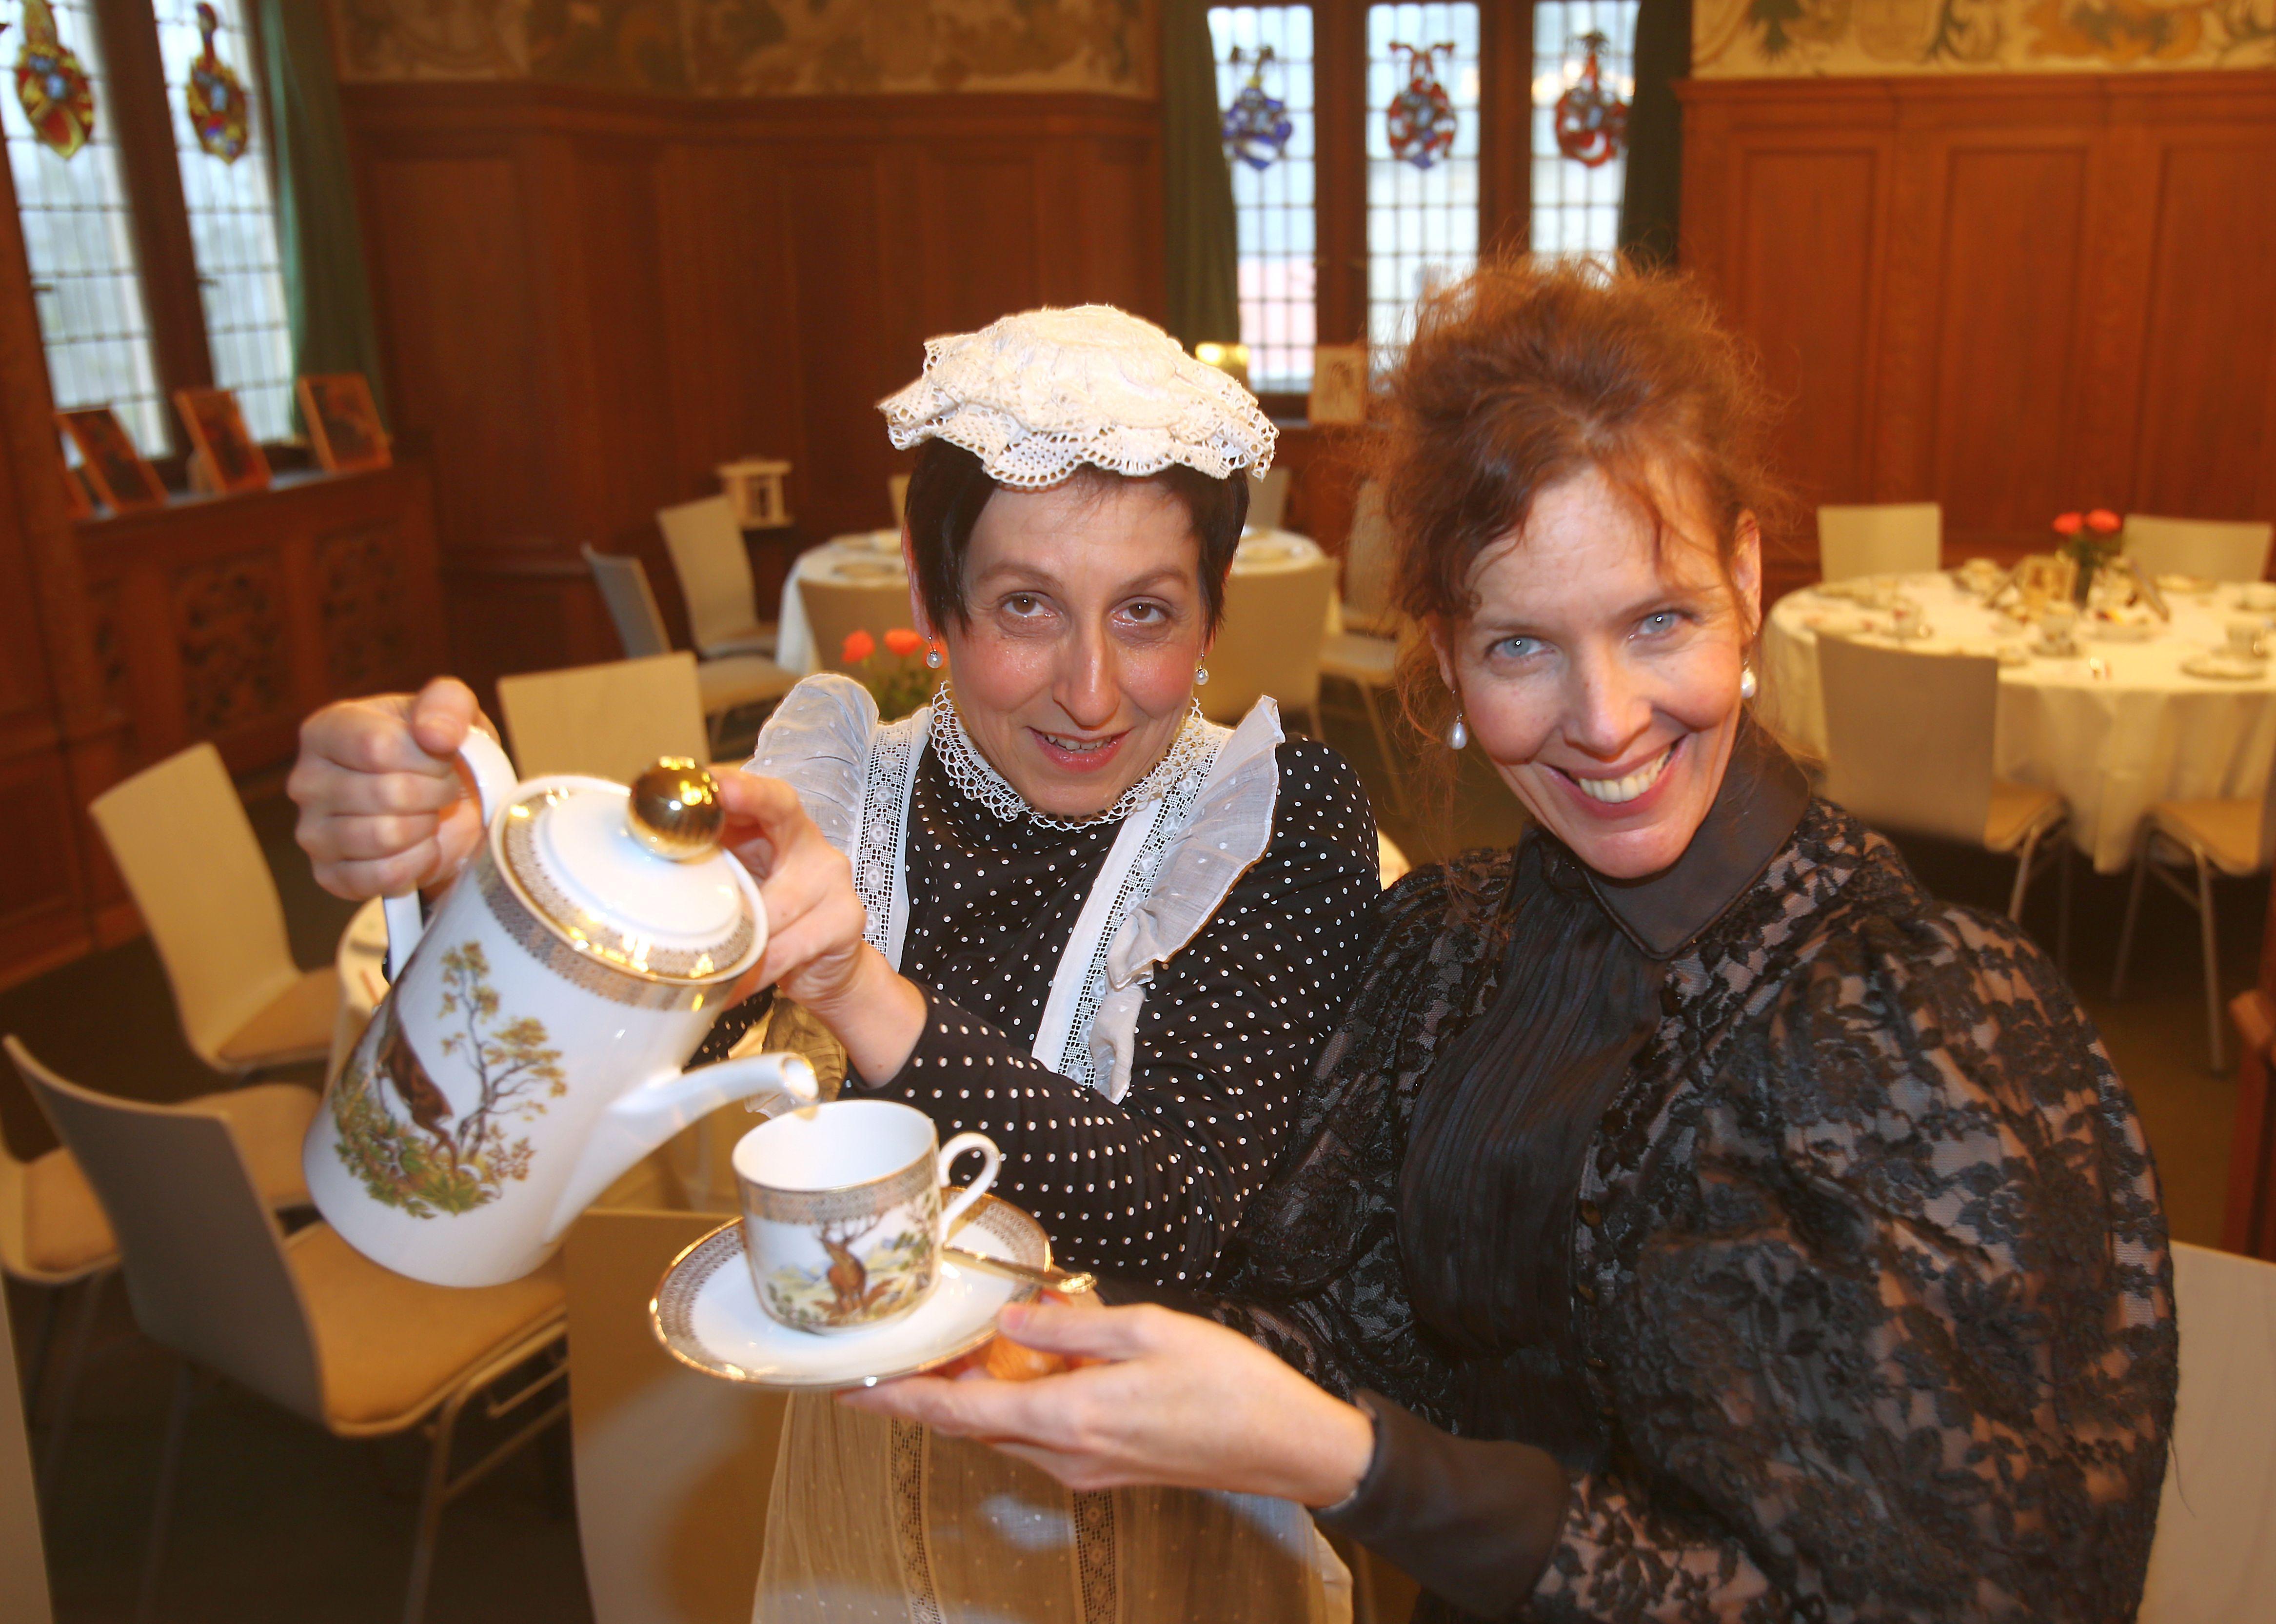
[
  {"x": 116, "y": 473},
  {"x": 233, "y": 461},
  {"x": 77, "y": 503},
  {"x": 1338, "y": 383},
  {"x": 342, "y": 423}
]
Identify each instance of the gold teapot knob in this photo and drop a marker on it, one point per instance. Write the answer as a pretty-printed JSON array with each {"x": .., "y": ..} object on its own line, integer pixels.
[{"x": 675, "y": 810}]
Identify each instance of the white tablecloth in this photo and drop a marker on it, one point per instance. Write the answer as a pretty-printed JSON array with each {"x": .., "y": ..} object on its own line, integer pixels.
[
  {"x": 872, "y": 557},
  {"x": 2115, "y": 728}
]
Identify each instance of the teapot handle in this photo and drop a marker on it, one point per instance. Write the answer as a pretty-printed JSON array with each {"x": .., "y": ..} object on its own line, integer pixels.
[{"x": 494, "y": 780}]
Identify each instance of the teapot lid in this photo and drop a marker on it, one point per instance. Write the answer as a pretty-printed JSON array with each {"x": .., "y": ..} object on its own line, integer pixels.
[{"x": 634, "y": 877}]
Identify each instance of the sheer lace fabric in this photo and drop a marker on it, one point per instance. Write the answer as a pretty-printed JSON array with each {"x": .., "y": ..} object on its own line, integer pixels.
[{"x": 1869, "y": 1304}]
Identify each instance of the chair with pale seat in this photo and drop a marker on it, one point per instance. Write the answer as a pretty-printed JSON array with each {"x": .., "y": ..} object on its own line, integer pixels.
[
  {"x": 2233, "y": 836},
  {"x": 53, "y": 1234},
  {"x": 304, "y": 1320},
  {"x": 734, "y": 687},
  {"x": 897, "y": 497},
  {"x": 835, "y": 609},
  {"x": 610, "y": 720},
  {"x": 181, "y": 839},
  {"x": 715, "y": 578},
  {"x": 2213, "y": 1561},
  {"x": 1268, "y": 499},
  {"x": 1270, "y": 642},
  {"x": 1888, "y": 712},
  {"x": 2208, "y": 548},
  {"x": 1881, "y": 538},
  {"x": 673, "y": 1467},
  {"x": 1364, "y": 656}
]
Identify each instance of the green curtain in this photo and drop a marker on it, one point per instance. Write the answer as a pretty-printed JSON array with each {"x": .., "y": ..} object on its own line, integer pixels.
[
  {"x": 1199, "y": 242},
  {"x": 1652, "y": 201},
  {"x": 326, "y": 296}
]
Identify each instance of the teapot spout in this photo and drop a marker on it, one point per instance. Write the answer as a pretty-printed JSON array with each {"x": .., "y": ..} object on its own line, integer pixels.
[{"x": 646, "y": 1116}]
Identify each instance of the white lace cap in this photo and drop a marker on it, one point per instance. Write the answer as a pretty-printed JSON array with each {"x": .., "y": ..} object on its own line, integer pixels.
[{"x": 1037, "y": 395}]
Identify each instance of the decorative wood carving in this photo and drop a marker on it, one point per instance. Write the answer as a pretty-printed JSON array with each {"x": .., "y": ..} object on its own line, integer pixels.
[
  {"x": 364, "y": 611},
  {"x": 229, "y": 629}
]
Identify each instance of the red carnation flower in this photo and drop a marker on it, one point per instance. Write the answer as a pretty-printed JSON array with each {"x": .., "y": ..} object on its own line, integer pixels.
[
  {"x": 2103, "y": 521},
  {"x": 902, "y": 640},
  {"x": 859, "y": 646},
  {"x": 2069, "y": 523}
]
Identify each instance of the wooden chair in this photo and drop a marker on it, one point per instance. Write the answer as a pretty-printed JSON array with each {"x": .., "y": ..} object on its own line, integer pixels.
[
  {"x": 2212, "y": 549},
  {"x": 737, "y": 690},
  {"x": 2214, "y": 1557},
  {"x": 1268, "y": 499},
  {"x": 2235, "y": 837},
  {"x": 1363, "y": 658},
  {"x": 836, "y": 608},
  {"x": 305, "y": 1321},
  {"x": 673, "y": 1467},
  {"x": 1368, "y": 566},
  {"x": 897, "y": 497},
  {"x": 1275, "y": 626},
  {"x": 611, "y": 721},
  {"x": 53, "y": 1234},
  {"x": 715, "y": 578},
  {"x": 181, "y": 839},
  {"x": 1890, "y": 711},
  {"x": 23, "y": 1596},
  {"x": 1883, "y": 538}
]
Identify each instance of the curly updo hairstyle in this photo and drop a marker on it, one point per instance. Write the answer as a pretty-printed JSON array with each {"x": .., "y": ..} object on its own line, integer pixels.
[{"x": 1526, "y": 372}]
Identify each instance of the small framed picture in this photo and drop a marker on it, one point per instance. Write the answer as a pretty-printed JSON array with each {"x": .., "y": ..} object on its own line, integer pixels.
[
  {"x": 77, "y": 503},
  {"x": 342, "y": 423},
  {"x": 115, "y": 472},
  {"x": 1338, "y": 383},
  {"x": 233, "y": 461}
]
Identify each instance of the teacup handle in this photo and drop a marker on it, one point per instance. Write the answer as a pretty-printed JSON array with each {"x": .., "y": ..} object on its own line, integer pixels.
[{"x": 949, "y": 1152}]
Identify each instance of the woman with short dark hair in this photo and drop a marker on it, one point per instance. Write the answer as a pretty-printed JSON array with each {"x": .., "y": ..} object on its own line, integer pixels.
[{"x": 1692, "y": 1218}]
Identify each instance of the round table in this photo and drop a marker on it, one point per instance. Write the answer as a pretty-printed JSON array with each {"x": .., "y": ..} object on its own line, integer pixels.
[
  {"x": 2116, "y": 728},
  {"x": 871, "y": 558},
  {"x": 360, "y": 959}
]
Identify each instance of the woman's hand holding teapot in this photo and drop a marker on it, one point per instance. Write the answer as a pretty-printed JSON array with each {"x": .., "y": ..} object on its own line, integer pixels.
[{"x": 384, "y": 807}]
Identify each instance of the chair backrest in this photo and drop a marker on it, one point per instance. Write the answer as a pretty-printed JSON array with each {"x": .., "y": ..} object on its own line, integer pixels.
[
  {"x": 1367, "y": 565},
  {"x": 180, "y": 837},
  {"x": 896, "y": 495},
  {"x": 203, "y": 1260},
  {"x": 673, "y": 1467},
  {"x": 714, "y": 571},
  {"x": 2212, "y": 549},
  {"x": 2214, "y": 1557},
  {"x": 835, "y": 608},
  {"x": 1275, "y": 624},
  {"x": 1888, "y": 712},
  {"x": 611, "y": 721},
  {"x": 1884, "y": 538},
  {"x": 23, "y": 1558},
  {"x": 623, "y": 582},
  {"x": 1268, "y": 499}
]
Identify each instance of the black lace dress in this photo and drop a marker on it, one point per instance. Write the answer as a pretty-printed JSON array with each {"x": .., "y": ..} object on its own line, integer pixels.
[{"x": 1764, "y": 1242}]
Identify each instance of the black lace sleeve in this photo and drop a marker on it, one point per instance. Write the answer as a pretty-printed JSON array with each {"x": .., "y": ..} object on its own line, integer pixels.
[{"x": 1899, "y": 1340}]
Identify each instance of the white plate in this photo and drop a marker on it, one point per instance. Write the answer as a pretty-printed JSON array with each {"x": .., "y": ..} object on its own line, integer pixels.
[
  {"x": 1262, "y": 550},
  {"x": 2225, "y": 668},
  {"x": 2121, "y": 630},
  {"x": 867, "y": 569},
  {"x": 707, "y": 1313}
]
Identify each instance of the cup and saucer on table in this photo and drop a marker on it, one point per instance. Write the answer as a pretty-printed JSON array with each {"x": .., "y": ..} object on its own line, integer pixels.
[
  {"x": 2240, "y": 660},
  {"x": 851, "y": 1264}
]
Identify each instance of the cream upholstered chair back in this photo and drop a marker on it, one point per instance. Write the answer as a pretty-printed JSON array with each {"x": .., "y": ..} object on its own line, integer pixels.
[
  {"x": 631, "y": 600},
  {"x": 611, "y": 721},
  {"x": 181, "y": 838},
  {"x": 1268, "y": 499},
  {"x": 1367, "y": 566},
  {"x": 2211, "y": 549},
  {"x": 714, "y": 571},
  {"x": 1275, "y": 624},
  {"x": 837, "y": 608},
  {"x": 1909, "y": 737},
  {"x": 673, "y": 1467},
  {"x": 203, "y": 1259},
  {"x": 1884, "y": 538},
  {"x": 2214, "y": 1557},
  {"x": 897, "y": 497},
  {"x": 23, "y": 1557}
]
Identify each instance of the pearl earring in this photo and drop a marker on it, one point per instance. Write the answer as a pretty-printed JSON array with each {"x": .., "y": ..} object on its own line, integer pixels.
[
  {"x": 1459, "y": 734},
  {"x": 932, "y": 658},
  {"x": 1747, "y": 683},
  {"x": 1201, "y": 676}
]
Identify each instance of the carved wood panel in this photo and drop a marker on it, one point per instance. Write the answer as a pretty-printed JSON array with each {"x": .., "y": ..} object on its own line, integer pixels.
[
  {"x": 364, "y": 611},
  {"x": 229, "y": 633}
]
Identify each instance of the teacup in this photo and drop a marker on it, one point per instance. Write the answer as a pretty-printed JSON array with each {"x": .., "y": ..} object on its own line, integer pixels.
[
  {"x": 2244, "y": 637},
  {"x": 2259, "y": 594},
  {"x": 842, "y": 1212},
  {"x": 2058, "y": 624}
]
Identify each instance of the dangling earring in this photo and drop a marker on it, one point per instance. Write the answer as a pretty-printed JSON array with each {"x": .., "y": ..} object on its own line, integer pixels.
[
  {"x": 1747, "y": 683},
  {"x": 1459, "y": 734},
  {"x": 1201, "y": 676},
  {"x": 932, "y": 656}
]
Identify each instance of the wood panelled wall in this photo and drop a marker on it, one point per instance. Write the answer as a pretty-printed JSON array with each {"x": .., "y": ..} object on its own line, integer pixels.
[
  {"x": 587, "y": 300},
  {"x": 2013, "y": 295}
]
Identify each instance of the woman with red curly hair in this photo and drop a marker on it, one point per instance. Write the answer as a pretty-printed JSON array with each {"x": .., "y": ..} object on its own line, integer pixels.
[{"x": 1692, "y": 1218}]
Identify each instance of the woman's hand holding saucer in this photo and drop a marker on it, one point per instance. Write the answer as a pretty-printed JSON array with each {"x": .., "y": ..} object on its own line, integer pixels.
[{"x": 1175, "y": 1400}]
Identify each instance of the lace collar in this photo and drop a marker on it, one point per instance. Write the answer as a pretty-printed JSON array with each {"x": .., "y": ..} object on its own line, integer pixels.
[
  {"x": 970, "y": 772},
  {"x": 1757, "y": 810}
]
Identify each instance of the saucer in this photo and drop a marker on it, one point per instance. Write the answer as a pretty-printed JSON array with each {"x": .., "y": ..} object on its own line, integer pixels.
[
  {"x": 706, "y": 1312},
  {"x": 2121, "y": 631},
  {"x": 2221, "y": 666},
  {"x": 1263, "y": 549},
  {"x": 867, "y": 569}
]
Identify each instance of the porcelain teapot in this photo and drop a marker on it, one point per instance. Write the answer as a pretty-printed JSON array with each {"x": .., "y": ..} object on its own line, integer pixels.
[{"x": 531, "y": 1047}]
